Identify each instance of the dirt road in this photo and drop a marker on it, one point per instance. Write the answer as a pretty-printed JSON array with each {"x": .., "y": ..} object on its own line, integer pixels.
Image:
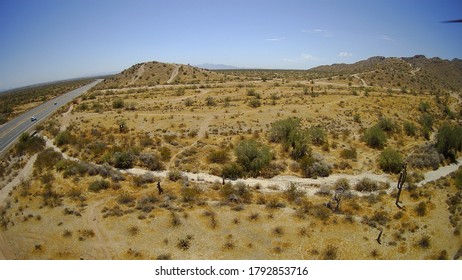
[{"x": 174, "y": 74}]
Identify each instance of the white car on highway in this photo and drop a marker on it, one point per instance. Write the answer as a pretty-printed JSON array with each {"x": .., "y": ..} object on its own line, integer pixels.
[{"x": 33, "y": 119}]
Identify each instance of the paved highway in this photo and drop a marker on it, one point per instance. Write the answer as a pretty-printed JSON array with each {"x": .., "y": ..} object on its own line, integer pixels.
[{"x": 11, "y": 130}]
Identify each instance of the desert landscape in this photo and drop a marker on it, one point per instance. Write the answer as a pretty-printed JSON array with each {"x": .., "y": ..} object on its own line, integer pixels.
[{"x": 172, "y": 161}]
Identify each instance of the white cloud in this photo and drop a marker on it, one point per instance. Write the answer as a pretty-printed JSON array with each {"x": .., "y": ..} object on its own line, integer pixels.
[
  {"x": 386, "y": 38},
  {"x": 275, "y": 39},
  {"x": 345, "y": 54},
  {"x": 318, "y": 31}
]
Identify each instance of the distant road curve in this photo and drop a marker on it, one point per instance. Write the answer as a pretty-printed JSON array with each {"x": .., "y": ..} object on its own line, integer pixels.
[{"x": 11, "y": 130}]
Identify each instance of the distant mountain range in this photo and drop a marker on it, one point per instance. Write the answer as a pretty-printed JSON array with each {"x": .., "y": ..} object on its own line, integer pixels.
[
  {"x": 416, "y": 73},
  {"x": 211, "y": 66}
]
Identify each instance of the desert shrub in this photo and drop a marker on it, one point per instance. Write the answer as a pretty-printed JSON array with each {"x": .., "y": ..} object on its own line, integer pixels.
[
  {"x": 64, "y": 138},
  {"x": 280, "y": 130},
  {"x": 458, "y": 179},
  {"x": 190, "y": 194},
  {"x": 165, "y": 153},
  {"x": 184, "y": 243},
  {"x": 254, "y": 103},
  {"x": 232, "y": 171},
  {"x": 312, "y": 167},
  {"x": 253, "y": 92},
  {"x": 424, "y": 242},
  {"x": 123, "y": 160},
  {"x": 321, "y": 212},
  {"x": 292, "y": 193},
  {"x": 133, "y": 230},
  {"x": 449, "y": 140},
  {"x": 151, "y": 161},
  {"x": 375, "y": 137},
  {"x": 209, "y": 101},
  {"x": 421, "y": 209},
  {"x": 343, "y": 184},
  {"x": 98, "y": 185},
  {"x": 219, "y": 156},
  {"x": 72, "y": 168},
  {"x": 366, "y": 185},
  {"x": 318, "y": 136},
  {"x": 238, "y": 192},
  {"x": 330, "y": 253},
  {"x": 174, "y": 175},
  {"x": 409, "y": 128},
  {"x": 288, "y": 133},
  {"x": 252, "y": 156},
  {"x": 29, "y": 144},
  {"x": 349, "y": 153},
  {"x": 424, "y": 106},
  {"x": 188, "y": 102},
  {"x": 425, "y": 157},
  {"x": 391, "y": 161},
  {"x": 387, "y": 125},
  {"x": 426, "y": 120},
  {"x": 125, "y": 198},
  {"x": 118, "y": 103},
  {"x": 47, "y": 159},
  {"x": 380, "y": 217}
]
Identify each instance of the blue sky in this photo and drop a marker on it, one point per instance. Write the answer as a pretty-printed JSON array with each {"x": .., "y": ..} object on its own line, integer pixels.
[{"x": 50, "y": 40}]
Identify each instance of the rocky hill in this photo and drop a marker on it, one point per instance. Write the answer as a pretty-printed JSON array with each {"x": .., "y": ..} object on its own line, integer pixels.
[
  {"x": 158, "y": 73},
  {"x": 416, "y": 73}
]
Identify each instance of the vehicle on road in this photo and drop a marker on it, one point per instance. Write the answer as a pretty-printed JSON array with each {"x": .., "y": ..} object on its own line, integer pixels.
[
  {"x": 56, "y": 103},
  {"x": 33, "y": 119}
]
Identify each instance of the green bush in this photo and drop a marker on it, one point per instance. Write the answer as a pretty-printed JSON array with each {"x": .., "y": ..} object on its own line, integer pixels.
[
  {"x": 123, "y": 160},
  {"x": 387, "y": 125},
  {"x": 349, "y": 153},
  {"x": 311, "y": 167},
  {"x": 238, "y": 191},
  {"x": 252, "y": 156},
  {"x": 219, "y": 156},
  {"x": 366, "y": 185},
  {"x": 427, "y": 121},
  {"x": 318, "y": 136},
  {"x": 449, "y": 140},
  {"x": 29, "y": 144},
  {"x": 281, "y": 129},
  {"x": 409, "y": 128},
  {"x": 98, "y": 185},
  {"x": 375, "y": 137},
  {"x": 289, "y": 134},
  {"x": 64, "y": 138},
  {"x": 118, "y": 103},
  {"x": 232, "y": 171},
  {"x": 47, "y": 159},
  {"x": 391, "y": 161},
  {"x": 254, "y": 103}
]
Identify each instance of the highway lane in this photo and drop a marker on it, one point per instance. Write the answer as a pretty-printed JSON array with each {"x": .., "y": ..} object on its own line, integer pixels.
[{"x": 11, "y": 130}]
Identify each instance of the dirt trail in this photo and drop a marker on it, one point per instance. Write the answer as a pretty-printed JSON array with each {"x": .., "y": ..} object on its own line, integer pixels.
[
  {"x": 361, "y": 79},
  {"x": 66, "y": 119},
  {"x": 200, "y": 134},
  {"x": 138, "y": 74},
  {"x": 5, "y": 249},
  {"x": 174, "y": 74},
  {"x": 94, "y": 219}
]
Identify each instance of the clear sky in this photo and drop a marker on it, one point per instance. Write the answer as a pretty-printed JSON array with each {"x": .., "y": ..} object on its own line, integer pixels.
[{"x": 50, "y": 40}]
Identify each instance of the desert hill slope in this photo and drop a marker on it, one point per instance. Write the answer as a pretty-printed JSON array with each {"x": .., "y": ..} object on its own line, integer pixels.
[
  {"x": 416, "y": 73},
  {"x": 158, "y": 73}
]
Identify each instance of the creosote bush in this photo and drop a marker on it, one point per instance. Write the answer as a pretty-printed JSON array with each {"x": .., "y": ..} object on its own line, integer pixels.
[
  {"x": 391, "y": 161},
  {"x": 98, "y": 185},
  {"x": 375, "y": 137}
]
